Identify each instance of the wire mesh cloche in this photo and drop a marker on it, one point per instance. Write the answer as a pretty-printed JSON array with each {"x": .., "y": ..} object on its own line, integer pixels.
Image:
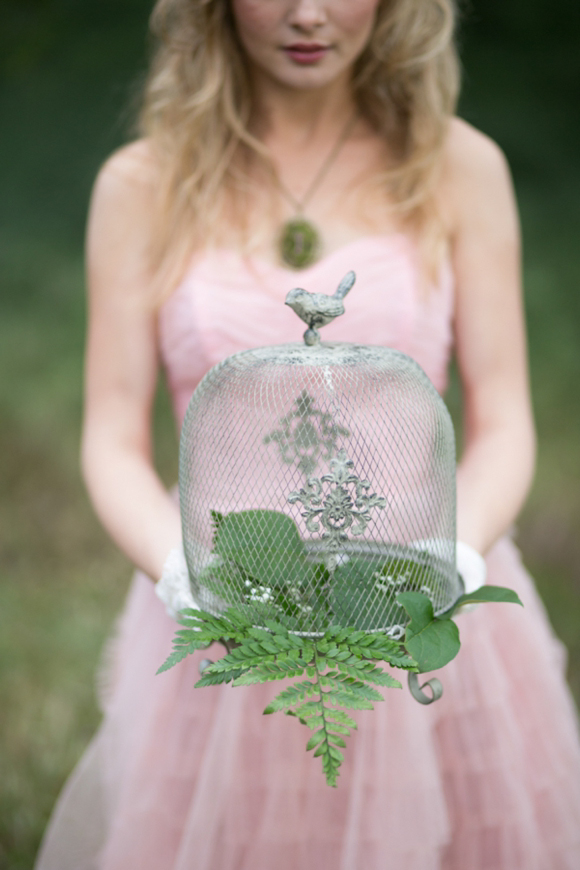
[
  {"x": 317, "y": 481},
  {"x": 317, "y": 491}
]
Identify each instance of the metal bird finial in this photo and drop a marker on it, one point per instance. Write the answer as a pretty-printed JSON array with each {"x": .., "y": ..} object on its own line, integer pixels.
[{"x": 318, "y": 309}]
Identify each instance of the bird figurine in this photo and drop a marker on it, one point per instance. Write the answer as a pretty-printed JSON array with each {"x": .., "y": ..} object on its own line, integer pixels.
[{"x": 318, "y": 309}]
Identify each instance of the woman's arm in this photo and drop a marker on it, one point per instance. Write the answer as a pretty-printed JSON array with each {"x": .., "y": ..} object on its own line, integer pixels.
[
  {"x": 121, "y": 366},
  {"x": 497, "y": 463}
]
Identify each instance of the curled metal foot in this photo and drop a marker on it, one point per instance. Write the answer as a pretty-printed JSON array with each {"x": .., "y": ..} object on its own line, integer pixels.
[
  {"x": 417, "y": 691},
  {"x": 204, "y": 663}
]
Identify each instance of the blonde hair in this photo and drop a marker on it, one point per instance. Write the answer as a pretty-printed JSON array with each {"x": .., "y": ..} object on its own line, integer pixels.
[{"x": 198, "y": 105}]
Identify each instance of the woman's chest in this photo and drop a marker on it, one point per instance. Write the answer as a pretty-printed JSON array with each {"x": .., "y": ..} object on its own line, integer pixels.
[{"x": 227, "y": 304}]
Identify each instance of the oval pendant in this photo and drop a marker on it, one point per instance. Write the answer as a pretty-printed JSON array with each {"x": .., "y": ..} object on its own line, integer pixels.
[{"x": 299, "y": 243}]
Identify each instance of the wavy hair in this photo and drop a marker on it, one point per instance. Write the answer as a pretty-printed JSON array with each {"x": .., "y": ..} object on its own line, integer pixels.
[{"x": 198, "y": 105}]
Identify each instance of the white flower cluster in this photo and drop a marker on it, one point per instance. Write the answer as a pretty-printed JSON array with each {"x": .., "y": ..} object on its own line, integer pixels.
[{"x": 261, "y": 594}]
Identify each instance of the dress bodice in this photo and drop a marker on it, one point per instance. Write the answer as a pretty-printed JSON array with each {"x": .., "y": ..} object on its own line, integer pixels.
[{"x": 227, "y": 303}]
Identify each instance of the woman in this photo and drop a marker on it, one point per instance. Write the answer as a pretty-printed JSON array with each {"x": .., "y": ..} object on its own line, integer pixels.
[{"x": 335, "y": 116}]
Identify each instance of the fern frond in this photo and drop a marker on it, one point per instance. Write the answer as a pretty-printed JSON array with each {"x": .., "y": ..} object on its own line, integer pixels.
[
  {"x": 343, "y": 683},
  {"x": 176, "y": 656},
  {"x": 367, "y": 671},
  {"x": 269, "y": 671},
  {"x": 316, "y": 738},
  {"x": 293, "y": 696},
  {"x": 348, "y": 700},
  {"x": 215, "y": 679},
  {"x": 380, "y": 648},
  {"x": 335, "y": 728},
  {"x": 340, "y": 666},
  {"x": 183, "y": 648},
  {"x": 341, "y": 718}
]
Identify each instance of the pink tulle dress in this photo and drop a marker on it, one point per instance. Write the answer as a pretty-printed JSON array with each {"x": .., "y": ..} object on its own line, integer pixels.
[{"x": 178, "y": 778}]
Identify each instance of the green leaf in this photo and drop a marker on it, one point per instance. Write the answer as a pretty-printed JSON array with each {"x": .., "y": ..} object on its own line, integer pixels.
[
  {"x": 341, "y": 718},
  {"x": 376, "y": 646},
  {"x": 435, "y": 646},
  {"x": 292, "y": 696},
  {"x": 354, "y": 688},
  {"x": 348, "y": 701},
  {"x": 364, "y": 591},
  {"x": 251, "y": 654},
  {"x": 335, "y": 728},
  {"x": 213, "y": 678},
  {"x": 266, "y": 673},
  {"x": 206, "y": 627},
  {"x": 237, "y": 619},
  {"x": 266, "y": 544},
  {"x": 175, "y": 657},
  {"x": 336, "y": 753},
  {"x": 432, "y": 642},
  {"x": 216, "y": 521},
  {"x": 369, "y": 672},
  {"x": 311, "y": 721},
  {"x": 315, "y": 739},
  {"x": 419, "y": 608},
  {"x": 338, "y": 634},
  {"x": 487, "y": 594}
]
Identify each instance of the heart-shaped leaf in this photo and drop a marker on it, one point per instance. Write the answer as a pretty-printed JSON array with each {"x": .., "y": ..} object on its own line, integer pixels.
[
  {"x": 266, "y": 544},
  {"x": 430, "y": 641}
]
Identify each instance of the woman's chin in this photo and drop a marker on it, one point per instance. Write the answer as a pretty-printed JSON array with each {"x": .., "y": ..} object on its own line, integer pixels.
[{"x": 296, "y": 75}]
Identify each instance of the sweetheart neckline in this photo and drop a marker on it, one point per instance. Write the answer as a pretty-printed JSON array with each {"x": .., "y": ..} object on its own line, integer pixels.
[{"x": 396, "y": 236}]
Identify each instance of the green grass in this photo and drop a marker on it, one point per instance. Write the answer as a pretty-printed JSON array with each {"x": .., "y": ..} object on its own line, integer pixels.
[
  {"x": 67, "y": 72},
  {"x": 61, "y": 581}
]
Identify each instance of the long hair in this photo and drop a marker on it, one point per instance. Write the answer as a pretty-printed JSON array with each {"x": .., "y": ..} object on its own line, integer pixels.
[{"x": 198, "y": 105}]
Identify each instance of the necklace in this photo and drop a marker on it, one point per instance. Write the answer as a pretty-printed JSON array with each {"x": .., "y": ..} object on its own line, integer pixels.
[{"x": 300, "y": 243}]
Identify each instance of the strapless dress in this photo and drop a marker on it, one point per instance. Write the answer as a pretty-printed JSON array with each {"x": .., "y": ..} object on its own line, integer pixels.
[{"x": 178, "y": 778}]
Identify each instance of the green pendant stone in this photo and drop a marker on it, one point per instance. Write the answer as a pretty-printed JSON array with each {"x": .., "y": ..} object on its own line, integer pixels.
[{"x": 299, "y": 243}]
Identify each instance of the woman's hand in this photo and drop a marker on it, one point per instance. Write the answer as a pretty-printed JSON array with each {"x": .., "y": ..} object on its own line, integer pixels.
[
  {"x": 121, "y": 365},
  {"x": 497, "y": 462}
]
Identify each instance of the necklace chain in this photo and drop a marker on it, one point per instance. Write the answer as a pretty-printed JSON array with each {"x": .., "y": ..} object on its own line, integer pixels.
[
  {"x": 300, "y": 204},
  {"x": 300, "y": 243}
]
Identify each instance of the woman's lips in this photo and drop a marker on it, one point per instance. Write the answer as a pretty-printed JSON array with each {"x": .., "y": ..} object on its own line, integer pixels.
[{"x": 306, "y": 52}]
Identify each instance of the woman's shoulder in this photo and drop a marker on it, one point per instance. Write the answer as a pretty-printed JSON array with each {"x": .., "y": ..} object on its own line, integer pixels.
[
  {"x": 123, "y": 207},
  {"x": 131, "y": 171},
  {"x": 135, "y": 162},
  {"x": 474, "y": 172},
  {"x": 125, "y": 188},
  {"x": 467, "y": 148}
]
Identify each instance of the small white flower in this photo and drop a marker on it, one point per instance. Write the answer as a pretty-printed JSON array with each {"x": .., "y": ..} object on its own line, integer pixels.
[{"x": 261, "y": 594}]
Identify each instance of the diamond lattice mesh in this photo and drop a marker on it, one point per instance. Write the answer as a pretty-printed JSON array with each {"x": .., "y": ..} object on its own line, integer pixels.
[{"x": 317, "y": 483}]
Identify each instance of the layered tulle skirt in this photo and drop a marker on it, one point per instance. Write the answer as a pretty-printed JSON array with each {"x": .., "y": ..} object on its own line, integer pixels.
[{"x": 178, "y": 778}]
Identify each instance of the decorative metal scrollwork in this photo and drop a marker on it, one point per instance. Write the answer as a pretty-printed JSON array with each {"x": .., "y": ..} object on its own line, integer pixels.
[
  {"x": 418, "y": 692},
  {"x": 340, "y": 511},
  {"x": 307, "y": 435}
]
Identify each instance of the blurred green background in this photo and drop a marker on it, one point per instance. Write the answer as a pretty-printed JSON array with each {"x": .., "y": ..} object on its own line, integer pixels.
[{"x": 70, "y": 72}]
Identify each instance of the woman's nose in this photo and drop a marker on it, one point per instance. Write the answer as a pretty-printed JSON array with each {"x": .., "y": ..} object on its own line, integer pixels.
[{"x": 307, "y": 15}]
